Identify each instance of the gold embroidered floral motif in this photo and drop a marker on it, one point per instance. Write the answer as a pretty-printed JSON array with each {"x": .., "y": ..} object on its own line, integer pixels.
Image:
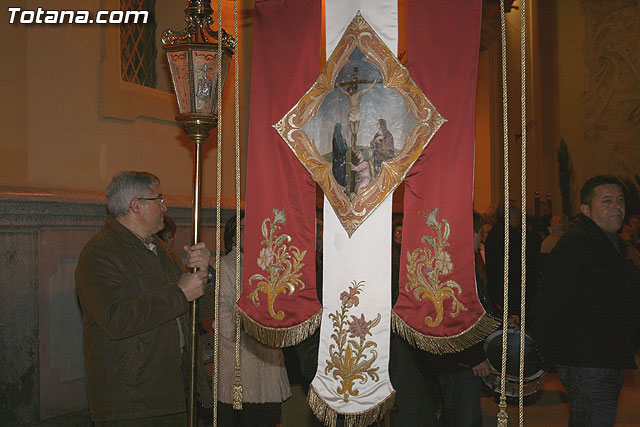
[
  {"x": 349, "y": 359},
  {"x": 280, "y": 262},
  {"x": 425, "y": 267}
]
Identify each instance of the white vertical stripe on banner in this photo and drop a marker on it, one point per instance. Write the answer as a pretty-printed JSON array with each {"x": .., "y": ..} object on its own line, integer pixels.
[
  {"x": 359, "y": 266},
  {"x": 382, "y": 16},
  {"x": 364, "y": 258}
]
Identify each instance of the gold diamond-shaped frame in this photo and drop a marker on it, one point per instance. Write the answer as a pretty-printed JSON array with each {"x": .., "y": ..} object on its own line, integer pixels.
[{"x": 396, "y": 77}]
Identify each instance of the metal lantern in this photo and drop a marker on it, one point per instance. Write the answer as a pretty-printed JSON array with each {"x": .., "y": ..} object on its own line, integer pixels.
[{"x": 193, "y": 61}]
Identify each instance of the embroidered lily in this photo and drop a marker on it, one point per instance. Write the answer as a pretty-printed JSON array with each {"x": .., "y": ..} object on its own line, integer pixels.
[
  {"x": 279, "y": 217},
  {"x": 427, "y": 268},
  {"x": 359, "y": 327},
  {"x": 443, "y": 263},
  {"x": 352, "y": 360},
  {"x": 265, "y": 258},
  {"x": 428, "y": 271},
  {"x": 280, "y": 262},
  {"x": 350, "y": 299},
  {"x": 431, "y": 219}
]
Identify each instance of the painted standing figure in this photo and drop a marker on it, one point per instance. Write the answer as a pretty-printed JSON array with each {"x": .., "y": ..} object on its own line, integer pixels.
[
  {"x": 382, "y": 146},
  {"x": 339, "y": 153},
  {"x": 362, "y": 169}
]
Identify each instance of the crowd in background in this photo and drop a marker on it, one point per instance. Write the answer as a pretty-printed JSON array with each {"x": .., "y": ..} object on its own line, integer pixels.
[
  {"x": 542, "y": 234},
  {"x": 446, "y": 390},
  {"x": 431, "y": 390}
]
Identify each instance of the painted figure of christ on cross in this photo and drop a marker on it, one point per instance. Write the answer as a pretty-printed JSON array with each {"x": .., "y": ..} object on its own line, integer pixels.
[{"x": 354, "y": 102}]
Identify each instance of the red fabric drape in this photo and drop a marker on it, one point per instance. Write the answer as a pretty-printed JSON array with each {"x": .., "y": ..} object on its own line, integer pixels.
[
  {"x": 443, "y": 48},
  {"x": 285, "y": 63}
]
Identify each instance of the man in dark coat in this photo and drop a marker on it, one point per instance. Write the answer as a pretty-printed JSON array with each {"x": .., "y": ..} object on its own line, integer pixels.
[
  {"x": 133, "y": 291},
  {"x": 583, "y": 317},
  {"x": 494, "y": 255}
]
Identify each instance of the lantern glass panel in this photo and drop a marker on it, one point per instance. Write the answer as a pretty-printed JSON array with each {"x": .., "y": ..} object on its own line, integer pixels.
[
  {"x": 205, "y": 67},
  {"x": 226, "y": 62},
  {"x": 179, "y": 66}
]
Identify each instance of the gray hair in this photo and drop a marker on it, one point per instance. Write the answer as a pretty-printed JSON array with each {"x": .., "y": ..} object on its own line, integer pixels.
[{"x": 126, "y": 186}]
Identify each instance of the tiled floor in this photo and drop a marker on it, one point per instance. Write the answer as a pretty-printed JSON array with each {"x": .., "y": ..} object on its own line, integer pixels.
[{"x": 551, "y": 408}]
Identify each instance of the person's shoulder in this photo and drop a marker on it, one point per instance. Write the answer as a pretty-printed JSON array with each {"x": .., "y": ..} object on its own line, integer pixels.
[
  {"x": 548, "y": 243},
  {"x": 572, "y": 240},
  {"x": 578, "y": 242},
  {"x": 102, "y": 238},
  {"x": 585, "y": 230},
  {"x": 102, "y": 244},
  {"x": 575, "y": 234},
  {"x": 100, "y": 253}
]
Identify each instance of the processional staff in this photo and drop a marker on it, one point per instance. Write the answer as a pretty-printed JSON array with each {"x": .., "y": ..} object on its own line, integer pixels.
[{"x": 192, "y": 54}]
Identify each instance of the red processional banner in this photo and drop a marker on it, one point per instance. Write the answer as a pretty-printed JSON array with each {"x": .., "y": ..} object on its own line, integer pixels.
[
  {"x": 279, "y": 304},
  {"x": 438, "y": 308},
  {"x": 358, "y": 128}
]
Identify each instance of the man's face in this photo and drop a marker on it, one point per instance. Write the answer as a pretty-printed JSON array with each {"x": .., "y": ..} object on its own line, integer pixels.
[
  {"x": 152, "y": 212},
  {"x": 397, "y": 234},
  {"x": 607, "y": 207}
]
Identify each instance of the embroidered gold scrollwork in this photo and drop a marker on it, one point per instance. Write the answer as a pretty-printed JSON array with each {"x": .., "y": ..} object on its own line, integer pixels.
[
  {"x": 426, "y": 266},
  {"x": 352, "y": 359},
  {"x": 281, "y": 264}
]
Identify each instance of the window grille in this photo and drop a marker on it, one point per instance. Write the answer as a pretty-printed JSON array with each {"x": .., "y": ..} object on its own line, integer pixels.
[{"x": 137, "y": 46}]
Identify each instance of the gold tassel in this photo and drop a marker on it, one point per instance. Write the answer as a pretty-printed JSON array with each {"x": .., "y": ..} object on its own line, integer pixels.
[
  {"x": 477, "y": 332},
  {"x": 328, "y": 415},
  {"x": 279, "y": 337},
  {"x": 237, "y": 390},
  {"x": 502, "y": 414}
]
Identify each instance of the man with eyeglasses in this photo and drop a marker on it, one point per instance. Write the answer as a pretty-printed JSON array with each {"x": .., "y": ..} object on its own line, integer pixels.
[{"x": 134, "y": 293}]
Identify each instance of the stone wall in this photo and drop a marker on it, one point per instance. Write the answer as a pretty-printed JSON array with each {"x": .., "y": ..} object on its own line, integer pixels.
[{"x": 41, "y": 235}]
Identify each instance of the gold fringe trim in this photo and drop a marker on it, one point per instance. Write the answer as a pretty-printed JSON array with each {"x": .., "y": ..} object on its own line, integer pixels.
[
  {"x": 237, "y": 390},
  {"x": 280, "y": 337},
  {"x": 328, "y": 415},
  {"x": 477, "y": 332}
]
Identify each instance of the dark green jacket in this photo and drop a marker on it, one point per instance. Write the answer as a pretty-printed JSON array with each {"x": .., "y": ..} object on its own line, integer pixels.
[{"x": 130, "y": 301}]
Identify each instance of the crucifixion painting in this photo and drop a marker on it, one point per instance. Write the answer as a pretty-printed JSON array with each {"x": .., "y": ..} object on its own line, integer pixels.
[
  {"x": 389, "y": 119},
  {"x": 354, "y": 96}
]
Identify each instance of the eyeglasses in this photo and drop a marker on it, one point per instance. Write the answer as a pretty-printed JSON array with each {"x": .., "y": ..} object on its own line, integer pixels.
[{"x": 159, "y": 198}]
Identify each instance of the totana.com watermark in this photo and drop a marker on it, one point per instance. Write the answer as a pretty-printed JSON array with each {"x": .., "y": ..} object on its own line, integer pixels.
[{"x": 43, "y": 16}]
